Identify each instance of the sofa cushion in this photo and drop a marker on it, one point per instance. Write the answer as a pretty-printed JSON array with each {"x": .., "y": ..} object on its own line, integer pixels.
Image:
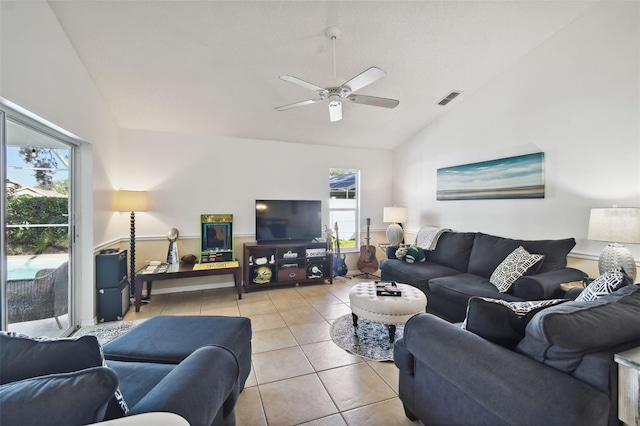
[
  {"x": 561, "y": 335},
  {"x": 69, "y": 399},
  {"x": 500, "y": 321},
  {"x": 555, "y": 252},
  {"x": 605, "y": 284},
  {"x": 416, "y": 274},
  {"x": 513, "y": 267},
  {"x": 23, "y": 357},
  {"x": 460, "y": 288},
  {"x": 138, "y": 378},
  {"x": 453, "y": 250},
  {"x": 489, "y": 251}
]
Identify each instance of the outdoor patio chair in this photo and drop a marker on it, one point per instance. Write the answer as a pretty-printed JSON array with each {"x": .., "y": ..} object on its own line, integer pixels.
[{"x": 41, "y": 297}]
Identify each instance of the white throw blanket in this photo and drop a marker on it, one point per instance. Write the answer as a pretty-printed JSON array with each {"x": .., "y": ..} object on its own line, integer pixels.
[{"x": 427, "y": 237}]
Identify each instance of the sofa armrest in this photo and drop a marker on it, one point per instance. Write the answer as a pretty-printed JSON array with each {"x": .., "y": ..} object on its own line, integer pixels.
[
  {"x": 391, "y": 252},
  {"x": 146, "y": 419},
  {"x": 513, "y": 387},
  {"x": 545, "y": 285},
  {"x": 197, "y": 388}
]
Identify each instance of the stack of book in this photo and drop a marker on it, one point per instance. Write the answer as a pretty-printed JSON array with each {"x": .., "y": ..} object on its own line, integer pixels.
[{"x": 387, "y": 288}]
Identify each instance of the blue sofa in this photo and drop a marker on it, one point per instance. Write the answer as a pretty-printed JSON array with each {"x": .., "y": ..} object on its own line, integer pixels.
[
  {"x": 192, "y": 366},
  {"x": 561, "y": 372},
  {"x": 462, "y": 262}
]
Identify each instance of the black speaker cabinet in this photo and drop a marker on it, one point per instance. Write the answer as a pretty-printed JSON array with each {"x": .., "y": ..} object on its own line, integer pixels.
[
  {"x": 111, "y": 268},
  {"x": 113, "y": 302}
]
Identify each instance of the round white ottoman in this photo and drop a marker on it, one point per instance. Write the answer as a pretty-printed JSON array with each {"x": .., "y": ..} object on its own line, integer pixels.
[{"x": 389, "y": 310}]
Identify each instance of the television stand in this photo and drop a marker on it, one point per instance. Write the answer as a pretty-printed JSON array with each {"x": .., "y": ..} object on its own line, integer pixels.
[{"x": 268, "y": 265}]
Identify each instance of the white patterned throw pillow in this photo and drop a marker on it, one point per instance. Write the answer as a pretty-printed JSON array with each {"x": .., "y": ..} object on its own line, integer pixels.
[
  {"x": 521, "y": 309},
  {"x": 605, "y": 284},
  {"x": 513, "y": 267}
]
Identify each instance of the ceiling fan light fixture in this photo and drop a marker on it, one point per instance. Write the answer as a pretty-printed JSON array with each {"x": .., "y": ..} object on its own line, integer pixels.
[{"x": 335, "y": 111}]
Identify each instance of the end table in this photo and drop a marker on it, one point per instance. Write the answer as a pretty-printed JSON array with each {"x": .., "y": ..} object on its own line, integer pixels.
[{"x": 629, "y": 386}]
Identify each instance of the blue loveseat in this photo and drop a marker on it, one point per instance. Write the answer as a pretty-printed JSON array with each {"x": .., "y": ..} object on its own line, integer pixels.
[
  {"x": 462, "y": 262},
  {"x": 561, "y": 372}
]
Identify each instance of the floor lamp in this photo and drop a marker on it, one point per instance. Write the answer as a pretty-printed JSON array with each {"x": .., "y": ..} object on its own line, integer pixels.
[{"x": 132, "y": 201}]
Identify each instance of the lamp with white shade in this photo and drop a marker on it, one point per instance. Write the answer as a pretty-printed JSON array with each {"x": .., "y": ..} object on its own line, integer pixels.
[
  {"x": 395, "y": 216},
  {"x": 615, "y": 225},
  {"x": 131, "y": 201}
]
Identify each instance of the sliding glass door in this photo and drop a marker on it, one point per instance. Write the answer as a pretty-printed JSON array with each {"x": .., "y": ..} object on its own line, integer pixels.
[{"x": 38, "y": 224}]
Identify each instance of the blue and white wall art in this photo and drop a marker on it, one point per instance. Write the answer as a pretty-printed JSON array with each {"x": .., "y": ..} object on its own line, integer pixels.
[{"x": 512, "y": 177}]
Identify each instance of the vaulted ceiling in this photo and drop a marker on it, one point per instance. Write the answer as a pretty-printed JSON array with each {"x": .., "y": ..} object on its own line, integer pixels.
[{"x": 212, "y": 67}]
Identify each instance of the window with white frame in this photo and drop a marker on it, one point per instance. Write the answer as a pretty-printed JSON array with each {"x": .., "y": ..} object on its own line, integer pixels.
[{"x": 344, "y": 207}]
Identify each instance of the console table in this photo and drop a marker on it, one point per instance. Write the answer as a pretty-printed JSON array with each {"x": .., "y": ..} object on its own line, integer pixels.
[{"x": 182, "y": 271}]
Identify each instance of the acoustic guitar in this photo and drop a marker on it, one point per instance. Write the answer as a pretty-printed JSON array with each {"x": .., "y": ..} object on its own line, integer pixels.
[
  {"x": 367, "y": 263},
  {"x": 339, "y": 265}
]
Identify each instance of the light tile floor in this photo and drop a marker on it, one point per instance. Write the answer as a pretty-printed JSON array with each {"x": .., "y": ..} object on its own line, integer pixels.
[{"x": 299, "y": 376}]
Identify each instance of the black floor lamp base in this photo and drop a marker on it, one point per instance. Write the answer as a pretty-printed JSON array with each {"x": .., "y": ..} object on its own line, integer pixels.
[{"x": 132, "y": 256}]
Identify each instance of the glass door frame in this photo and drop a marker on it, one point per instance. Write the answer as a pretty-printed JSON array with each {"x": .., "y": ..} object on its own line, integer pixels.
[{"x": 24, "y": 118}]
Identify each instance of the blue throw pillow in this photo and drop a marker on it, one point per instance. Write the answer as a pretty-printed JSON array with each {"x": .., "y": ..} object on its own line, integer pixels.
[
  {"x": 502, "y": 322},
  {"x": 69, "y": 399},
  {"x": 22, "y": 357}
]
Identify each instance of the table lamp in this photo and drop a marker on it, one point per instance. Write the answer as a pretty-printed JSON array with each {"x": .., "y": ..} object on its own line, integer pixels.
[
  {"x": 615, "y": 225},
  {"x": 395, "y": 216},
  {"x": 131, "y": 201}
]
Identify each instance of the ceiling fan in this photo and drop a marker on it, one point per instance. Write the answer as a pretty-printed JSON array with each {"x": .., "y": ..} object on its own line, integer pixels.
[{"x": 344, "y": 92}]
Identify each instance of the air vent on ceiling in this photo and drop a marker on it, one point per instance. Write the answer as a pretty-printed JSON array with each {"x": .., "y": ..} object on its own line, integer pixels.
[{"x": 451, "y": 96}]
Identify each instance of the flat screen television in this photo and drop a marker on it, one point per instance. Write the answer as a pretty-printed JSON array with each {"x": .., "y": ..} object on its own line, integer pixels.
[{"x": 288, "y": 220}]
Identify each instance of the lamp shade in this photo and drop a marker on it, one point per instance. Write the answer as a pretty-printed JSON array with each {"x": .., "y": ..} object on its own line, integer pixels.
[
  {"x": 395, "y": 215},
  {"x": 130, "y": 201},
  {"x": 617, "y": 224}
]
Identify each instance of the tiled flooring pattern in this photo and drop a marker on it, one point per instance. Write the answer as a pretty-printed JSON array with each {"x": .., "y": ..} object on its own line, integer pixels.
[{"x": 299, "y": 375}]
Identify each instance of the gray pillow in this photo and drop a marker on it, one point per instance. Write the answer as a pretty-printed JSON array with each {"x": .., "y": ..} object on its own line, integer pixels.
[
  {"x": 561, "y": 335},
  {"x": 24, "y": 357},
  {"x": 500, "y": 321},
  {"x": 66, "y": 399}
]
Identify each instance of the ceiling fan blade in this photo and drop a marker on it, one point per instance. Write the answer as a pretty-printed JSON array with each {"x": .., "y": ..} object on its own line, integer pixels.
[
  {"x": 364, "y": 79},
  {"x": 373, "y": 101},
  {"x": 297, "y": 104},
  {"x": 335, "y": 111},
  {"x": 301, "y": 83}
]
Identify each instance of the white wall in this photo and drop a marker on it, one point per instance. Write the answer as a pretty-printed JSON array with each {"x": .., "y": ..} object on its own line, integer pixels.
[
  {"x": 41, "y": 72},
  {"x": 188, "y": 175},
  {"x": 577, "y": 99}
]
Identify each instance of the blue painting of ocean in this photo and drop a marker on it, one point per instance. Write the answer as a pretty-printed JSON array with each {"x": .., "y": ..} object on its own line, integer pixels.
[{"x": 511, "y": 177}]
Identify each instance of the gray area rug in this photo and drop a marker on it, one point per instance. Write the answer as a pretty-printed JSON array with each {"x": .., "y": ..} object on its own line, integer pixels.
[
  {"x": 107, "y": 331},
  {"x": 371, "y": 340}
]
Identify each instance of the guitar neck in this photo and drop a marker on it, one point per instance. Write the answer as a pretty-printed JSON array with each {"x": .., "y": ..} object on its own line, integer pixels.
[{"x": 368, "y": 224}]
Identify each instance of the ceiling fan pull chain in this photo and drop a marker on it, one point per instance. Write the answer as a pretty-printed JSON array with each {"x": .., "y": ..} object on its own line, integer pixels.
[{"x": 334, "y": 57}]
